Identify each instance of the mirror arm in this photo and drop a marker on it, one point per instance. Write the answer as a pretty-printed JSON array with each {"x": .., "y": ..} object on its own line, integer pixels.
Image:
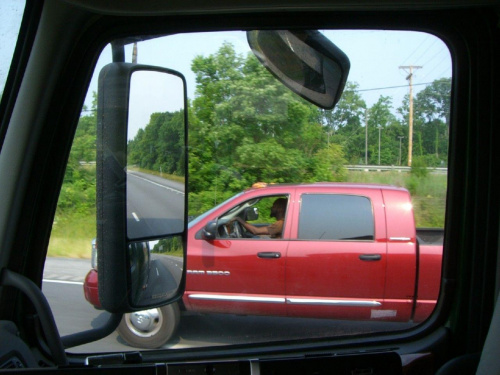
[
  {"x": 94, "y": 334},
  {"x": 118, "y": 51}
]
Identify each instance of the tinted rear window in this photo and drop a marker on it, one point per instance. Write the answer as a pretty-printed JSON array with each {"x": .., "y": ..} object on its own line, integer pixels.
[{"x": 335, "y": 217}]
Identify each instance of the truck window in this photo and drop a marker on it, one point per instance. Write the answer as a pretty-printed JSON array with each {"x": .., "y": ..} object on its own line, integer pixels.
[
  {"x": 246, "y": 127},
  {"x": 258, "y": 218},
  {"x": 335, "y": 217}
]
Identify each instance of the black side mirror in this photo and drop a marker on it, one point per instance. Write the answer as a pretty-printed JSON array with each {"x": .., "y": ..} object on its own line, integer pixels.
[
  {"x": 210, "y": 231},
  {"x": 129, "y": 220},
  {"x": 251, "y": 213}
]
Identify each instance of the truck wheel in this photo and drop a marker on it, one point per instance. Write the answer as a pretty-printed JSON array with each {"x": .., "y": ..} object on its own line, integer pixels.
[{"x": 149, "y": 329}]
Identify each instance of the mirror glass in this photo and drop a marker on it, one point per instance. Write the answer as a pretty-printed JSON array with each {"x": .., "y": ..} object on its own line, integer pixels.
[
  {"x": 155, "y": 155},
  {"x": 156, "y": 269}
]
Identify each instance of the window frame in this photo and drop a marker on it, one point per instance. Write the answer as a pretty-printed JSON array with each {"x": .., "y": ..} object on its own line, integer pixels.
[{"x": 462, "y": 166}]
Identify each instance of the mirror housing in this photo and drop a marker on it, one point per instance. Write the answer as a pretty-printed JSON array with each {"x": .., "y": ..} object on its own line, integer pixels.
[
  {"x": 305, "y": 61},
  {"x": 251, "y": 213},
  {"x": 123, "y": 272},
  {"x": 209, "y": 233}
]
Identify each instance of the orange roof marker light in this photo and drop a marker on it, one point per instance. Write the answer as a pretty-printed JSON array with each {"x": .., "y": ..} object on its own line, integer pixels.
[{"x": 260, "y": 185}]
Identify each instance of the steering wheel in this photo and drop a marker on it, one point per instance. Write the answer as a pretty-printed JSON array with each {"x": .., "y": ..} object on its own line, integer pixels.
[
  {"x": 237, "y": 229},
  {"x": 225, "y": 232}
]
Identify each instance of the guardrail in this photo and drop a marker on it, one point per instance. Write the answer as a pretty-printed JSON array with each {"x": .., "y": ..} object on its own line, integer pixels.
[
  {"x": 395, "y": 168},
  {"x": 365, "y": 168}
]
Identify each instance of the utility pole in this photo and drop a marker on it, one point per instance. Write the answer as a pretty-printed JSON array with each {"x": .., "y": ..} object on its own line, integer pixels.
[
  {"x": 400, "y": 138},
  {"x": 409, "y": 78},
  {"x": 366, "y": 136},
  {"x": 379, "y": 129}
]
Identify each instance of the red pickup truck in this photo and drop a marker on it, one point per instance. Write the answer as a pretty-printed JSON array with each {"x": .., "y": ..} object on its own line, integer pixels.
[{"x": 347, "y": 251}]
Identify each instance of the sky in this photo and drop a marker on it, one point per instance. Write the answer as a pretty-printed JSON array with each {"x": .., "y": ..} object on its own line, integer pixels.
[
  {"x": 375, "y": 55},
  {"x": 10, "y": 20}
]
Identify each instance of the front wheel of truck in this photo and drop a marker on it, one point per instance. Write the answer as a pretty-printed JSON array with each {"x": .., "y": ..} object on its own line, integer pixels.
[{"x": 150, "y": 329}]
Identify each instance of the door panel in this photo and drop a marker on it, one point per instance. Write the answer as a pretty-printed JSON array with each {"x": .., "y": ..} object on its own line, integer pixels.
[
  {"x": 228, "y": 275},
  {"x": 336, "y": 268}
]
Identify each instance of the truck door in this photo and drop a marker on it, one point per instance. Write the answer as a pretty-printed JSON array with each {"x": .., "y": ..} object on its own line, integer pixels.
[
  {"x": 233, "y": 274},
  {"x": 336, "y": 263}
]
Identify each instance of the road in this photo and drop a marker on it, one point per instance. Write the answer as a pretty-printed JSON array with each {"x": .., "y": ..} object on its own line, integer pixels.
[
  {"x": 63, "y": 280},
  {"x": 155, "y": 206}
]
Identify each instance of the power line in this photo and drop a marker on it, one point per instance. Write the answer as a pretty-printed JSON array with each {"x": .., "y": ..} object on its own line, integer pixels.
[
  {"x": 428, "y": 48},
  {"x": 416, "y": 49},
  {"x": 392, "y": 87}
]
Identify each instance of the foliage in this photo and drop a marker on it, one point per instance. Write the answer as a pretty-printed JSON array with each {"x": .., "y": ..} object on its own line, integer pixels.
[
  {"x": 428, "y": 194},
  {"x": 79, "y": 185},
  {"x": 160, "y": 146},
  {"x": 419, "y": 168},
  {"x": 431, "y": 121},
  {"x": 169, "y": 246}
]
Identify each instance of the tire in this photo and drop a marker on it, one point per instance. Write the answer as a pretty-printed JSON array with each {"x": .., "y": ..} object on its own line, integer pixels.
[{"x": 150, "y": 329}]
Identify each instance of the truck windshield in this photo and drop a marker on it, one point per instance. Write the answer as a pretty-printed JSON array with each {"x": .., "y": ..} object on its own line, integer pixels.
[{"x": 199, "y": 218}]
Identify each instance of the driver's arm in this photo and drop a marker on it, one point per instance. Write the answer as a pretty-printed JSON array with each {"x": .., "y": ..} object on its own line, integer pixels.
[{"x": 252, "y": 228}]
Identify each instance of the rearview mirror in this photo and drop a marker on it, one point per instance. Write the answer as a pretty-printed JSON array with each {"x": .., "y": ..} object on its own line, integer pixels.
[
  {"x": 140, "y": 190},
  {"x": 305, "y": 61}
]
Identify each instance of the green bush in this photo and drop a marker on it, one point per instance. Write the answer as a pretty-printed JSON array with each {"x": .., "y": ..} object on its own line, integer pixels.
[{"x": 419, "y": 167}]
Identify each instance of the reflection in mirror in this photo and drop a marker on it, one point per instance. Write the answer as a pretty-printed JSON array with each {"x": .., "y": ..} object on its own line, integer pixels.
[
  {"x": 155, "y": 155},
  {"x": 155, "y": 269}
]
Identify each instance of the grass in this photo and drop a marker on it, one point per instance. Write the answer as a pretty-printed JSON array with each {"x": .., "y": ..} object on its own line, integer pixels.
[
  {"x": 428, "y": 193},
  {"x": 72, "y": 236}
]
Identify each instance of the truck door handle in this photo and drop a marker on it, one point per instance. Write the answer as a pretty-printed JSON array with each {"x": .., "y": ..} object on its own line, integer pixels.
[
  {"x": 370, "y": 257},
  {"x": 269, "y": 255}
]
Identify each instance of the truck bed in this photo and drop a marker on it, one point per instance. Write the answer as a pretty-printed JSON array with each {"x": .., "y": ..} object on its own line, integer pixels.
[{"x": 430, "y": 236}]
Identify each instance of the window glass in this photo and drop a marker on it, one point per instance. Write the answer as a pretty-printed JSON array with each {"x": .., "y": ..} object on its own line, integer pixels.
[
  {"x": 335, "y": 217},
  {"x": 11, "y": 13},
  {"x": 258, "y": 218},
  {"x": 247, "y": 129}
]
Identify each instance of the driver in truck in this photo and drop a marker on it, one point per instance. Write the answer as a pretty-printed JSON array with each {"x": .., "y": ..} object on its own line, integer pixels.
[{"x": 274, "y": 230}]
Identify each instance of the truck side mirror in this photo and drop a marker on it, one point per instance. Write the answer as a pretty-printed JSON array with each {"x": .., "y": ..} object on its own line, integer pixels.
[{"x": 137, "y": 201}]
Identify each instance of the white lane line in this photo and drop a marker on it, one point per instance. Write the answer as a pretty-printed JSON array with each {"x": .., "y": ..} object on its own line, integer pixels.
[
  {"x": 157, "y": 184},
  {"x": 63, "y": 282},
  {"x": 136, "y": 217}
]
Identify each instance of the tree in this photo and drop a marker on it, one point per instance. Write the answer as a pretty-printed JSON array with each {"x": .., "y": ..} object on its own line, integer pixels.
[
  {"x": 383, "y": 123},
  {"x": 346, "y": 123},
  {"x": 253, "y": 128},
  {"x": 329, "y": 164},
  {"x": 431, "y": 121},
  {"x": 269, "y": 161},
  {"x": 160, "y": 145},
  {"x": 79, "y": 186}
]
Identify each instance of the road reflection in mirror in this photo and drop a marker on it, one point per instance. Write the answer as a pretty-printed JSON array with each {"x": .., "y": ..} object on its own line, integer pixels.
[
  {"x": 156, "y": 269},
  {"x": 155, "y": 179}
]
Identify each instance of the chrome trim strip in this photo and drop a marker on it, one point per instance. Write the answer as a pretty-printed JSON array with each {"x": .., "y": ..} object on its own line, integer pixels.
[
  {"x": 333, "y": 302},
  {"x": 399, "y": 239},
  {"x": 219, "y": 297}
]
